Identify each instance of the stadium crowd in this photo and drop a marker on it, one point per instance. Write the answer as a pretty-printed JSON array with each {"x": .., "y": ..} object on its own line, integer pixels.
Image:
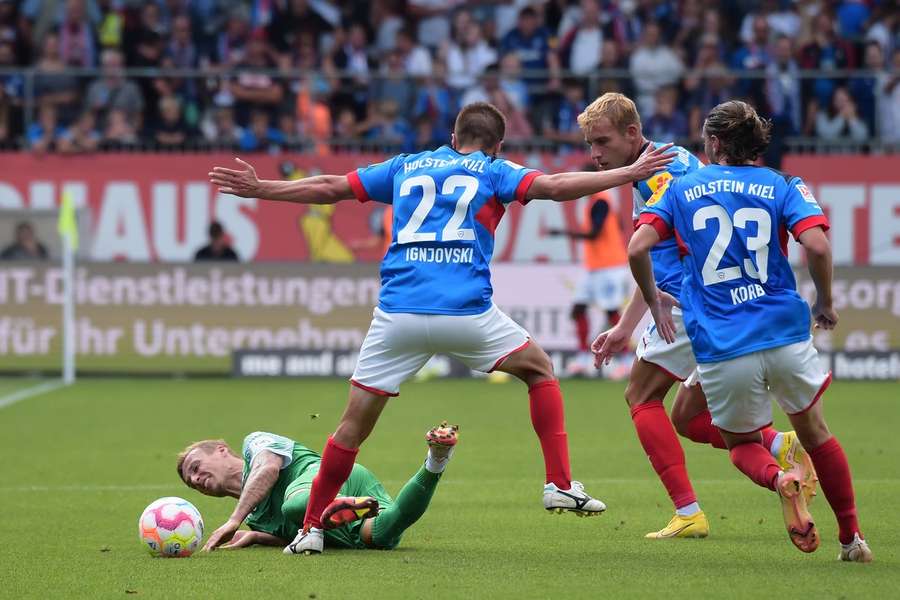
[{"x": 391, "y": 74}]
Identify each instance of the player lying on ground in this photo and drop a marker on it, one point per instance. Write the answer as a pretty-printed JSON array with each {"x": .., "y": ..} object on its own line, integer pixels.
[
  {"x": 749, "y": 328},
  {"x": 272, "y": 480},
  {"x": 612, "y": 129},
  {"x": 436, "y": 289}
]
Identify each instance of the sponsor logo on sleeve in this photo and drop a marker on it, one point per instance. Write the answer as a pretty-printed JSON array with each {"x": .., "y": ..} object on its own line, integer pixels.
[{"x": 806, "y": 194}]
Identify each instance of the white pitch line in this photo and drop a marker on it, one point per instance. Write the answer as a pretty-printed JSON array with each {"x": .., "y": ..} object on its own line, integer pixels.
[{"x": 37, "y": 390}]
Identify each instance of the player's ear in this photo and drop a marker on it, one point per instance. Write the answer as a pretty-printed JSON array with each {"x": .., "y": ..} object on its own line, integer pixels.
[
  {"x": 498, "y": 149},
  {"x": 453, "y": 140}
]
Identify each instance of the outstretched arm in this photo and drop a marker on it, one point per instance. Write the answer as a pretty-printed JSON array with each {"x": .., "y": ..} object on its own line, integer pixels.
[
  {"x": 321, "y": 189},
  {"x": 245, "y": 538},
  {"x": 569, "y": 186},
  {"x": 262, "y": 477}
]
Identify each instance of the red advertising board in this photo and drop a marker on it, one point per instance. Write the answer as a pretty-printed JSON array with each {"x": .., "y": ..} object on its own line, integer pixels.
[{"x": 156, "y": 207}]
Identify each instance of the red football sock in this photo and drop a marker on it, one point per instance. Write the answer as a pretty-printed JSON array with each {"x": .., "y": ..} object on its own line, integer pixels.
[
  {"x": 583, "y": 330},
  {"x": 755, "y": 461},
  {"x": 337, "y": 462},
  {"x": 658, "y": 438},
  {"x": 547, "y": 417},
  {"x": 834, "y": 477},
  {"x": 701, "y": 430},
  {"x": 768, "y": 435}
]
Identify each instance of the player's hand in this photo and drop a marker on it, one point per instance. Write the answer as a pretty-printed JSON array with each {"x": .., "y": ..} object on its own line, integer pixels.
[
  {"x": 242, "y": 538},
  {"x": 661, "y": 310},
  {"x": 221, "y": 535},
  {"x": 609, "y": 343},
  {"x": 651, "y": 161},
  {"x": 825, "y": 317},
  {"x": 243, "y": 183}
]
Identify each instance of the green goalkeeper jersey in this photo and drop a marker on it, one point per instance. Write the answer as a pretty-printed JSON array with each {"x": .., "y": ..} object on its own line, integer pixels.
[{"x": 298, "y": 469}]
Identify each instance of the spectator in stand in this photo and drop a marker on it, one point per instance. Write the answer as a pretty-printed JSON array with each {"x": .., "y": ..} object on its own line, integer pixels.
[
  {"x": 530, "y": 43},
  {"x": 12, "y": 89},
  {"x": 44, "y": 134},
  {"x": 288, "y": 128},
  {"x": 231, "y": 42},
  {"x": 181, "y": 48},
  {"x": 783, "y": 88},
  {"x": 171, "y": 131},
  {"x": 580, "y": 48},
  {"x": 852, "y": 18},
  {"x": 387, "y": 125},
  {"x": 294, "y": 19},
  {"x": 436, "y": 101},
  {"x": 260, "y": 136},
  {"x": 754, "y": 57},
  {"x": 706, "y": 85},
  {"x": 392, "y": 83},
  {"x": 81, "y": 137},
  {"x": 220, "y": 128},
  {"x": 218, "y": 248},
  {"x": 668, "y": 123},
  {"x": 885, "y": 28},
  {"x": 841, "y": 121},
  {"x": 351, "y": 56},
  {"x": 14, "y": 30},
  {"x": 113, "y": 92},
  {"x": 511, "y": 80},
  {"x": 52, "y": 84},
  {"x": 613, "y": 60},
  {"x": 78, "y": 44},
  {"x": 26, "y": 246},
  {"x": 434, "y": 21},
  {"x": 426, "y": 136},
  {"x": 825, "y": 52},
  {"x": 890, "y": 105},
  {"x": 653, "y": 65},
  {"x": 345, "y": 127},
  {"x": 561, "y": 125},
  {"x": 491, "y": 89},
  {"x": 781, "y": 18},
  {"x": 385, "y": 20},
  {"x": 120, "y": 132},
  {"x": 468, "y": 55},
  {"x": 868, "y": 91},
  {"x": 253, "y": 89},
  {"x": 416, "y": 59}
]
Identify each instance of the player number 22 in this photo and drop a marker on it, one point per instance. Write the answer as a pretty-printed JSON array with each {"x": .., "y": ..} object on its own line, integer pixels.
[
  {"x": 451, "y": 232},
  {"x": 758, "y": 243}
]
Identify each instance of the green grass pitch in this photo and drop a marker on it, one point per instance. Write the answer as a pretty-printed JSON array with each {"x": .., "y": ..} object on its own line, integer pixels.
[{"x": 79, "y": 465}]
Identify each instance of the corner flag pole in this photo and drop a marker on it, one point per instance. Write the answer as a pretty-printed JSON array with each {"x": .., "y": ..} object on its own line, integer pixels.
[{"x": 68, "y": 230}]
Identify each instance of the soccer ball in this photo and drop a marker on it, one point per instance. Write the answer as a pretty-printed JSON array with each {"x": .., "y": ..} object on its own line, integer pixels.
[{"x": 171, "y": 527}]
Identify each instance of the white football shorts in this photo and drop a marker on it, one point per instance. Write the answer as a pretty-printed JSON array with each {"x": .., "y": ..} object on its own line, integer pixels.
[
  {"x": 399, "y": 344},
  {"x": 604, "y": 288},
  {"x": 676, "y": 358},
  {"x": 739, "y": 391}
]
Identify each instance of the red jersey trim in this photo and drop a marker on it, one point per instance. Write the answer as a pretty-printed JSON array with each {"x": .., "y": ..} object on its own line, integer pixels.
[
  {"x": 356, "y": 185},
  {"x": 808, "y": 223},
  {"x": 523, "y": 186},
  {"x": 655, "y": 221}
]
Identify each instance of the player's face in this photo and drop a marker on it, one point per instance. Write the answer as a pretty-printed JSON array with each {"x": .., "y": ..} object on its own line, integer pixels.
[
  {"x": 206, "y": 473},
  {"x": 610, "y": 147}
]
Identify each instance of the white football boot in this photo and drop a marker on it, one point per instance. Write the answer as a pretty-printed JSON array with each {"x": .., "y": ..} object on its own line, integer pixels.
[
  {"x": 573, "y": 500},
  {"x": 856, "y": 551},
  {"x": 308, "y": 541}
]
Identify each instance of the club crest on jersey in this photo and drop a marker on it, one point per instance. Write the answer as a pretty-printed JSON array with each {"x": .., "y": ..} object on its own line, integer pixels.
[
  {"x": 658, "y": 184},
  {"x": 806, "y": 194}
]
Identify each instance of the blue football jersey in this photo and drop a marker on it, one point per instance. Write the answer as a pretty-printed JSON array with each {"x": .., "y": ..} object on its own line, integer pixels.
[
  {"x": 738, "y": 294},
  {"x": 666, "y": 260},
  {"x": 446, "y": 207}
]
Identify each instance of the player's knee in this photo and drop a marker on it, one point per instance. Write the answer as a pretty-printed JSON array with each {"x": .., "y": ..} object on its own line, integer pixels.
[
  {"x": 578, "y": 311},
  {"x": 680, "y": 420}
]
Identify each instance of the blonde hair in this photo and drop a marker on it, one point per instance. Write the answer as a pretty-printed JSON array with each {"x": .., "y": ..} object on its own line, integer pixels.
[
  {"x": 208, "y": 447},
  {"x": 618, "y": 108}
]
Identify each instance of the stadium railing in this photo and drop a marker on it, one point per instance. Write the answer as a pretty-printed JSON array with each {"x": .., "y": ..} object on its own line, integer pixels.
[{"x": 208, "y": 81}]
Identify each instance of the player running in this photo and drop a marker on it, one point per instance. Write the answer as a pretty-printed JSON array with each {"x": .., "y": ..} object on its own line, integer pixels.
[
  {"x": 436, "y": 290},
  {"x": 748, "y": 326},
  {"x": 272, "y": 479},
  {"x": 612, "y": 129}
]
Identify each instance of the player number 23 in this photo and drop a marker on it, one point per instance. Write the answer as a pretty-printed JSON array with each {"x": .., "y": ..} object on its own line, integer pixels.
[
  {"x": 758, "y": 243},
  {"x": 451, "y": 232}
]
